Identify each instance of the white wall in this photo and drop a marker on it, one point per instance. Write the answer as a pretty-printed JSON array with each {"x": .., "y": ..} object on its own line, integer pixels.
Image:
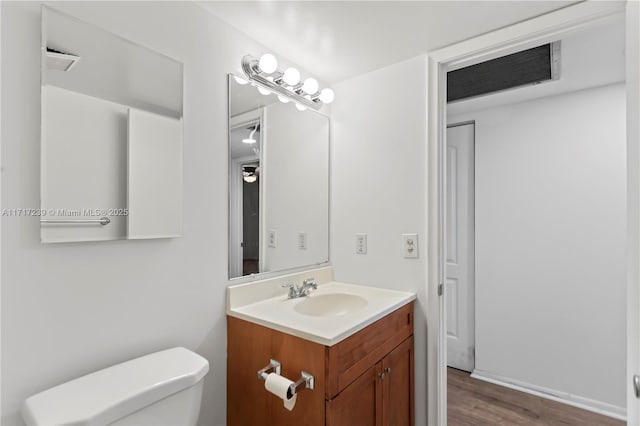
[
  {"x": 550, "y": 244},
  {"x": 69, "y": 309},
  {"x": 378, "y": 149},
  {"x": 295, "y": 179}
]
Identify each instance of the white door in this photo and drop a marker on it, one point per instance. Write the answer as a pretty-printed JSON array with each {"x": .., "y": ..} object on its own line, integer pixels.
[{"x": 459, "y": 290}]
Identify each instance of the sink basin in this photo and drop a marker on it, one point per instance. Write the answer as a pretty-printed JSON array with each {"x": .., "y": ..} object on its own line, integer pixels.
[
  {"x": 330, "y": 305},
  {"x": 330, "y": 314}
]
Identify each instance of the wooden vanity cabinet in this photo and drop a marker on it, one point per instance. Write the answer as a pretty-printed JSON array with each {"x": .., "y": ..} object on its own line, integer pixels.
[{"x": 364, "y": 380}]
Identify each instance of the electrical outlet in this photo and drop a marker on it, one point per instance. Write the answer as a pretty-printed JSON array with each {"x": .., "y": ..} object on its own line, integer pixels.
[
  {"x": 302, "y": 241},
  {"x": 410, "y": 246},
  {"x": 273, "y": 238},
  {"x": 361, "y": 243}
]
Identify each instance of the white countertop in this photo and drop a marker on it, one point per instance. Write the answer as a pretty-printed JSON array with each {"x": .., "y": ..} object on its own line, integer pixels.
[{"x": 278, "y": 312}]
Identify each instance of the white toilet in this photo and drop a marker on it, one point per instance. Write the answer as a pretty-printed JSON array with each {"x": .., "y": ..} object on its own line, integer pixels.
[{"x": 159, "y": 389}]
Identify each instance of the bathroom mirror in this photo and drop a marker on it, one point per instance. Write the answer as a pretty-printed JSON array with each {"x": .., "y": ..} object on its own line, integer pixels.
[
  {"x": 111, "y": 138},
  {"x": 278, "y": 183}
]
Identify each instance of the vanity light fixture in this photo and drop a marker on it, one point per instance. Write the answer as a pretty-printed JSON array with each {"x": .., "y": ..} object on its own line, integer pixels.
[
  {"x": 327, "y": 96},
  {"x": 264, "y": 73},
  {"x": 291, "y": 76},
  {"x": 310, "y": 86},
  {"x": 268, "y": 63}
]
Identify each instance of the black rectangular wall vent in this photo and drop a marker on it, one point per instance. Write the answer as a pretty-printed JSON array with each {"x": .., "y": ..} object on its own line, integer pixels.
[{"x": 529, "y": 66}]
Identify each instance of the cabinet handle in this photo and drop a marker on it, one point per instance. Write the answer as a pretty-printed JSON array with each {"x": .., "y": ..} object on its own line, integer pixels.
[{"x": 384, "y": 373}]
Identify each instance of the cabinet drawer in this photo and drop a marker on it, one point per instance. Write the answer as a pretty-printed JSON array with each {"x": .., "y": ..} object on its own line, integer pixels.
[{"x": 350, "y": 358}]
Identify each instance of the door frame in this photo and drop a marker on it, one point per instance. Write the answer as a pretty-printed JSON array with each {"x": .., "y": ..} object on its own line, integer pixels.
[{"x": 498, "y": 43}]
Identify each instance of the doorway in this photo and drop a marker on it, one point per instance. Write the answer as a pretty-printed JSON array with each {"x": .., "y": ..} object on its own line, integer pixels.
[
  {"x": 538, "y": 188},
  {"x": 250, "y": 218},
  {"x": 244, "y": 199},
  {"x": 460, "y": 233}
]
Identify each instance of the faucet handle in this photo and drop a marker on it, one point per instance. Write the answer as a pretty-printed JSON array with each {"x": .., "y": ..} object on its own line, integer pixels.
[
  {"x": 292, "y": 290},
  {"x": 311, "y": 282}
]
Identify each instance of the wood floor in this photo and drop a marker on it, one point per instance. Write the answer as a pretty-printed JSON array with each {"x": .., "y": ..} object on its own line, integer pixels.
[{"x": 475, "y": 402}]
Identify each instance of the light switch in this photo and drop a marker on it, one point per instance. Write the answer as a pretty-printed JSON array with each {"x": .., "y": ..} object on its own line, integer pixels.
[
  {"x": 361, "y": 243},
  {"x": 273, "y": 238},
  {"x": 302, "y": 241},
  {"x": 410, "y": 246}
]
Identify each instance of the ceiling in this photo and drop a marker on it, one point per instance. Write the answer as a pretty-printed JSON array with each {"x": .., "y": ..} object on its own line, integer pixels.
[{"x": 339, "y": 40}]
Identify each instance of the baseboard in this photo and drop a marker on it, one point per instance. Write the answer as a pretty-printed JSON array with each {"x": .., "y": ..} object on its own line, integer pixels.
[{"x": 599, "y": 407}]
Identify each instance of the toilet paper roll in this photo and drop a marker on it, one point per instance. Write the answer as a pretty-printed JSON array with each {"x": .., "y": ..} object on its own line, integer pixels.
[{"x": 279, "y": 386}]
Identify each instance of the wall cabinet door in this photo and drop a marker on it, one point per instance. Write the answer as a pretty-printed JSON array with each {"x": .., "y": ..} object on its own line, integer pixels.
[
  {"x": 397, "y": 385},
  {"x": 360, "y": 403}
]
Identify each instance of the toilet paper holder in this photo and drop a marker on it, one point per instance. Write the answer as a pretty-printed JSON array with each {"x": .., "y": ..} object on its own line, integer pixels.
[
  {"x": 273, "y": 367},
  {"x": 306, "y": 379}
]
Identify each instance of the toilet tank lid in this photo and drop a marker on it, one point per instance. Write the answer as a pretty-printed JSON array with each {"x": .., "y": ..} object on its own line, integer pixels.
[{"x": 107, "y": 395}]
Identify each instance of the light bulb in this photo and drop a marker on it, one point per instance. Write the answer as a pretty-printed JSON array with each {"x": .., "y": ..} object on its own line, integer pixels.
[
  {"x": 264, "y": 91},
  {"x": 291, "y": 76},
  {"x": 240, "y": 80},
  {"x": 327, "y": 96},
  {"x": 310, "y": 86},
  {"x": 268, "y": 63},
  {"x": 300, "y": 107},
  {"x": 250, "y": 178},
  {"x": 283, "y": 99}
]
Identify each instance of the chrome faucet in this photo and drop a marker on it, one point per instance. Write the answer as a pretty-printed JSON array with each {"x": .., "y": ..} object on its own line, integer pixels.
[{"x": 303, "y": 290}]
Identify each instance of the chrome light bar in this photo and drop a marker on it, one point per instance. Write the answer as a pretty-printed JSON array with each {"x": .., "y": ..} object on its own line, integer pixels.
[{"x": 276, "y": 84}]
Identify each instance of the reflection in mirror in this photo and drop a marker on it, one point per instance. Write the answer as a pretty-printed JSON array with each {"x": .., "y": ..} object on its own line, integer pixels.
[
  {"x": 111, "y": 147},
  {"x": 278, "y": 183}
]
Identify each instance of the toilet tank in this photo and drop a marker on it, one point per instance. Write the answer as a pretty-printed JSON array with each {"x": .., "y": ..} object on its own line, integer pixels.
[{"x": 162, "y": 388}]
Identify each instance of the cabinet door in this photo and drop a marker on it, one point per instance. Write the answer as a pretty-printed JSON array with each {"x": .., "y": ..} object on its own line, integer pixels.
[
  {"x": 248, "y": 350},
  {"x": 360, "y": 403},
  {"x": 398, "y": 385}
]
